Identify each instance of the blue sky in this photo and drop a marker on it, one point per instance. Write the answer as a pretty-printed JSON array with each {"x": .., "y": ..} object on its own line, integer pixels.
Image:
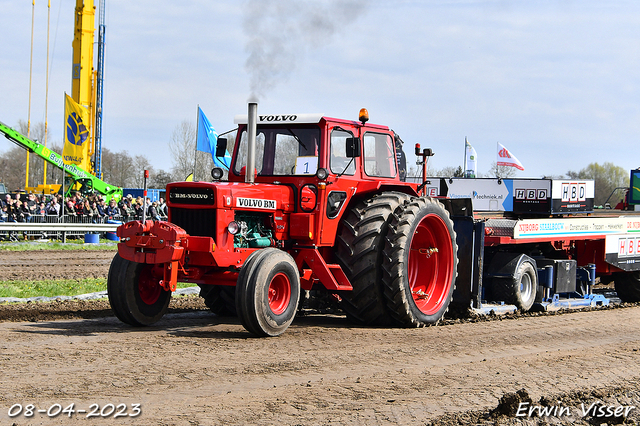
[{"x": 556, "y": 82}]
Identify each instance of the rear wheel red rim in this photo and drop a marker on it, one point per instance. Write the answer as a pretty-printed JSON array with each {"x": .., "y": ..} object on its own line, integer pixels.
[
  {"x": 430, "y": 265},
  {"x": 279, "y": 293},
  {"x": 148, "y": 286}
]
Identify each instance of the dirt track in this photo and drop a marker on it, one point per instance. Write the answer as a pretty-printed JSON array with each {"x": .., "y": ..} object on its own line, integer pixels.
[
  {"x": 54, "y": 264},
  {"x": 195, "y": 369}
]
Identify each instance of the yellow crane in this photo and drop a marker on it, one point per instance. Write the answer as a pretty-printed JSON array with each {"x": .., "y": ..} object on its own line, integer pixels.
[
  {"x": 86, "y": 81},
  {"x": 82, "y": 74}
]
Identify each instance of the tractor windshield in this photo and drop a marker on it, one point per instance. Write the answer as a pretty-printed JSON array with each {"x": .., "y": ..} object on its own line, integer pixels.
[{"x": 282, "y": 151}]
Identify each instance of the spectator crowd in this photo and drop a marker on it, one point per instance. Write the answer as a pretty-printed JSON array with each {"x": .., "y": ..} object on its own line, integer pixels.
[{"x": 76, "y": 208}]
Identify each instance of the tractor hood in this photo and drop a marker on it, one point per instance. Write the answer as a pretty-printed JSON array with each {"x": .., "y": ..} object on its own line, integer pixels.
[{"x": 231, "y": 195}]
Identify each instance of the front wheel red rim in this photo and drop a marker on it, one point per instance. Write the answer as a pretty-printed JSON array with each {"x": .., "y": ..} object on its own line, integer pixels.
[
  {"x": 279, "y": 293},
  {"x": 148, "y": 286},
  {"x": 431, "y": 264}
]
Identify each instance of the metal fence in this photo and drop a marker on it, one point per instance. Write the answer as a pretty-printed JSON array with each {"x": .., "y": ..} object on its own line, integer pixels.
[{"x": 58, "y": 227}]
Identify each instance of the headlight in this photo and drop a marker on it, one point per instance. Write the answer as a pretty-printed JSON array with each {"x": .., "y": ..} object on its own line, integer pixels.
[
  {"x": 322, "y": 174},
  {"x": 233, "y": 227},
  {"x": 216, "y": 173}
]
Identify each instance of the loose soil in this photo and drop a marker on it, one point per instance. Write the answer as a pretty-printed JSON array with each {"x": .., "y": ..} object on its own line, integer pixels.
[
  {"x": 43, "y": 265},
  {"x": 193, "y": 368}
]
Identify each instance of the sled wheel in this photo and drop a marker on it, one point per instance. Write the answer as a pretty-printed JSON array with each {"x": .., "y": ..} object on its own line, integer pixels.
[
  {"x": 519, "y": 290},
  {"x": 220, "y": 299},
  {"x": 135, "y": 294},
  {"x": 359, "y": 245},
  {"x": 627, "y": 286},
  {"x": 420, "y": 262},
  {"x": 267, "y": 292}
]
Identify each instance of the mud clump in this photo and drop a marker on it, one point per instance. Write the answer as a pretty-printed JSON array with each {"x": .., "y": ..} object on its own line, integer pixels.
[{"x": 510, "y": 402}]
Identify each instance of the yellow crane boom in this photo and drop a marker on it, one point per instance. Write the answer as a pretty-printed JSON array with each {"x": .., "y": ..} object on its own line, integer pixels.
[{"x": 82, "y": 76}]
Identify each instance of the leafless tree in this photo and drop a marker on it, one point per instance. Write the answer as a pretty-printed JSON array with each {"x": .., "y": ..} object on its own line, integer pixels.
[
  {"x": 160, "y": 179},
  {"x": 183, "y": 154},
  {"x": 501, "y": 171}
]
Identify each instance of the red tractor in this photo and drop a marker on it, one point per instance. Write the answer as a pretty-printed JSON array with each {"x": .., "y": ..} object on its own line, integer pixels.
[{"x": 311, "y": 203}]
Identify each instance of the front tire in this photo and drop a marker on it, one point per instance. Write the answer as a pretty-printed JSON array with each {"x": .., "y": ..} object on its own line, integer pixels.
[
  {"x": 267, "y": 292},
  {"x": 420, "y": 262},
  {"x": 135, "y": 294}
]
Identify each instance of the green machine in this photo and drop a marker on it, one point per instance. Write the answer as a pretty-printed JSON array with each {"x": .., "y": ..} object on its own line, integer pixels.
[{"x": 76, "y": 179}]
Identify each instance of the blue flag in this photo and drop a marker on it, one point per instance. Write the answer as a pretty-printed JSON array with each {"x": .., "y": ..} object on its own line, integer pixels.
[{"x": 207, "y": 140}]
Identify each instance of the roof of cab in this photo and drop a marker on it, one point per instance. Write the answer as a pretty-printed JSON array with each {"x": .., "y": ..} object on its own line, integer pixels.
[{"x": 299, "y": 119}]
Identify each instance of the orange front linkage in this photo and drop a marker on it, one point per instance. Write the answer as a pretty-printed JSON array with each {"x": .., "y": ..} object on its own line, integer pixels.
[{"x": 154, "y": 243}]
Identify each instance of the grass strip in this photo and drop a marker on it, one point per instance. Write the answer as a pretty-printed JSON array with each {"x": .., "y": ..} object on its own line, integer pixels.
[{"x": 50, "y": 288}]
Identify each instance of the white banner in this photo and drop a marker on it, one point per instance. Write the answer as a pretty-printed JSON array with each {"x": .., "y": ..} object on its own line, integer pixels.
[
  {"x": 506, "y": 158},
  {"x": 471, "y": 168}
]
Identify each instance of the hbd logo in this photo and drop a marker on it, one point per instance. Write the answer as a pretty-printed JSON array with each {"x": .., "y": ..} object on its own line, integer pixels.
[
  {"x": 531, "y": 194},
  {"x": 574, "y": 192}
]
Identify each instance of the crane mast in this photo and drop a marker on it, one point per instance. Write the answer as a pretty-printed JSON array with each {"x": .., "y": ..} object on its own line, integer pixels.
[
  {"x": 99, "y": 80},
  {"x": 83, "y": 74}
]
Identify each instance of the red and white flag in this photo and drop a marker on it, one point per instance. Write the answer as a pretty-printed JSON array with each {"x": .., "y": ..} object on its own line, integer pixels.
[{"x": 505, "y": 158}]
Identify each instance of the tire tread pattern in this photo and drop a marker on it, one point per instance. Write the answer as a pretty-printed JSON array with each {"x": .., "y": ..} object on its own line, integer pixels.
[
  {"x": 359, "y": 246},
  {"x": 397, "y": 294}
]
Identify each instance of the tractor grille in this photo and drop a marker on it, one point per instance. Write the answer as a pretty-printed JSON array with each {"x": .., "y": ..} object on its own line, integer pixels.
[{"x": 197, "y": 222}]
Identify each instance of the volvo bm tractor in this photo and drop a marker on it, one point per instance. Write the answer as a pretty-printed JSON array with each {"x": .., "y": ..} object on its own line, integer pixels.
[{"x": 312, "y": 204}]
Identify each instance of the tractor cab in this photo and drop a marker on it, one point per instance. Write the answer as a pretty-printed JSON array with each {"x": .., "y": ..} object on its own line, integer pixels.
[
  {"x": 325, "y": 161},
  {"x": 299, "y": 146}
]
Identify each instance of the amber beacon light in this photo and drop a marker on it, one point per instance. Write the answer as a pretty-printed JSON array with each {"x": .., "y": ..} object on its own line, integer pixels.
[{"x": 364, "y": 115}]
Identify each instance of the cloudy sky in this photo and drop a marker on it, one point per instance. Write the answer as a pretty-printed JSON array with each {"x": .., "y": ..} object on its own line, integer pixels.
[{"x": 556, "y": 82}]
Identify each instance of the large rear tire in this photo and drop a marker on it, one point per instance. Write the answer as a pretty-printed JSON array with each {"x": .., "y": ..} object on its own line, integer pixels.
[
  {"x": 135, "y": 294},
  {"x": 627, "y": 286},
  {"x": 220, "y": 299},
  {"x": 420, "y": 263},
  {"x": 267, "y": 292},
  {"x": 359, "y": 245}
]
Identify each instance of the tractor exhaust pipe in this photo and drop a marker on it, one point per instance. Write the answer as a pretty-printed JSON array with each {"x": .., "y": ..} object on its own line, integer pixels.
[{"x": 252, "y": 130}]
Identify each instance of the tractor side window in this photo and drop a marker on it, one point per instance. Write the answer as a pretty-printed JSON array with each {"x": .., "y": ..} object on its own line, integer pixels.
[
  {"x": 340, "y": 163},
  {"x": 335, "y": 200},
  {"x": 379, "y": 158}
]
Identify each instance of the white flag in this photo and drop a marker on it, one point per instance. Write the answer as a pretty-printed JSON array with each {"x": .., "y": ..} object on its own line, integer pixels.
[
  {"x": 471, "y": 167},
  {"x": 506, "y": 158}
]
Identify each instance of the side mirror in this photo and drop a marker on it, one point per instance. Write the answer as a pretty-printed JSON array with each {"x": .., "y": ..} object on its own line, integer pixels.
[
  {"x": 353, "y": 147},
  {"x": 221, "y": 147}
]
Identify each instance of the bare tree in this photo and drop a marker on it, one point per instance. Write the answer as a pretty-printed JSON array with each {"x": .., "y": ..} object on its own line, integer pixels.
[
  {"x": 448, "y": 171},
  {"x": 501, "y": 171},
  {"x": 12, "y": 166},
  {"x": 160, "y": 179},
  {"x": 36, "y": 163},
  {"x": 140, "y": 164},
  {"x": 183, "y": 153}
]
